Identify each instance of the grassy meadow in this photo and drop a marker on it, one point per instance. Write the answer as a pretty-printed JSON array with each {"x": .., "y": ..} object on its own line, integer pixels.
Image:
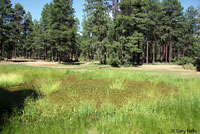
[{"x": 37, "y": 100}]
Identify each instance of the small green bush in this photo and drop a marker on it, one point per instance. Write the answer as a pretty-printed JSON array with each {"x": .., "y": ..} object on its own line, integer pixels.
[
  {"x": 189, "y": 66},
  {"x": 197, "y": 64},
  {"x": 113, "y": 60},
  {"x": 186, "y": 60}
]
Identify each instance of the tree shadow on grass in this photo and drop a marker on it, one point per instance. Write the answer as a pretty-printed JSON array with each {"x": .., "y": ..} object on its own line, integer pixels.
[
  {"x": 13, "y": 99},
  {"x": 72, "y": 63}
]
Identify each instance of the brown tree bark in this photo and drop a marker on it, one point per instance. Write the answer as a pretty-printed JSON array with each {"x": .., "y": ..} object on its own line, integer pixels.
[
  {"x": 178, "y": 54},
  {"x": 147, "y": 53},
  {"x": 26, "y": 53},
  {"x": 166, "y": 52},
  {"x": 115, "y": 4},
  {"x": 45, "y": 51},
  {"x": 154, "y": 49},
  {"x": 163, "y": 51},
  {"x": 1, "y": 51},
  {"x": 58, "y": 54},
  {"x": 170, "y": 48},
  {"x": 15, "y": 47}
]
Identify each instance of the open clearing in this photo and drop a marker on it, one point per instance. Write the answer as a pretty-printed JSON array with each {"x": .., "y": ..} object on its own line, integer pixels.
[
  {"x": 79, "y": 65},
  {"x": 87, "y": 98}
]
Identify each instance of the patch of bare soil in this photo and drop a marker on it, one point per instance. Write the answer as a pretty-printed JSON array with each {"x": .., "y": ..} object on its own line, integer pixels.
[
  {"x": 158, "y": 67},
  {"x": 40, "y": 63},
  {"x": 164, "y": 67}
]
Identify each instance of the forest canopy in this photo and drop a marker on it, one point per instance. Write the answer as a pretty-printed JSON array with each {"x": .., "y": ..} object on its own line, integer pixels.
[{"x": 125, "y": 32}]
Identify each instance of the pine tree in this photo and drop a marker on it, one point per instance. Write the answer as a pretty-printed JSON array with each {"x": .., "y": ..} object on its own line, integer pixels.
[
  {"x": 173, "y": 15},
  {"x": 131, "y": 27},
  {"x": 18, "y": 17},
  {"x": 37, "y": 39},
  {"x": 63, "y": 24},
  {"x": 155, "y": 14},
  {"x": 28, "y": 34},
  {"x": 96, "y": 23},
  {"x": 5, "y": 27},
  {"x": 46, "y": 28}
]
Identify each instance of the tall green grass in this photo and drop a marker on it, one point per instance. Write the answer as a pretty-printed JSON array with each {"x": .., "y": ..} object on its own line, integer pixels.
[{"x": 78, "y": 103}]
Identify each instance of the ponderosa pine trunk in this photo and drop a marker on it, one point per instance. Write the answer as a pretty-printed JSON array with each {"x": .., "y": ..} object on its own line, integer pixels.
[
  {"x": 147, "y": 53},
  {"x": 178, "y": 54},
  {"x": 115, "y": 8},
  {"x": 45, "y": 51},
  {"x": 154, "y": 49},
  {"x": 166, "y": 52},
  {"x": 163, "y": 53},
  {"x": 105, "y": 50},
  {"x": 170, "y": 48},
  {"x": 58, "y": 54},
  {"x": 1, "y": 51},
  {"x": 46, "y": 55},
  {"x": 26, "y": 53},
  {"x": 15, "y": 47}
]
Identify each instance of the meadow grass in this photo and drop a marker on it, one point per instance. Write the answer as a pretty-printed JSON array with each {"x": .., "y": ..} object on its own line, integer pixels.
[{"x": 106, "y": 101}]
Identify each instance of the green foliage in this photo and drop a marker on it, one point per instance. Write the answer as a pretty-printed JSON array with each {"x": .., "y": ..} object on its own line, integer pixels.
[
  {"x": 186, "y": 60},
  {"x": 189, "y": 66},
  {"x": 28, "y": 35},
  {"x": 113, "y": 60},
  {"x": 6, "y": 24},
  {"x": 197, "y": 64},
  {"x": 95, "y": 30}
]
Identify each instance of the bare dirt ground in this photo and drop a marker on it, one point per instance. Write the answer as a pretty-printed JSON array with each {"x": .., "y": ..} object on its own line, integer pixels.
[
  {"x": 159, "y": 67},
  {"x": 85, "y": 65}
]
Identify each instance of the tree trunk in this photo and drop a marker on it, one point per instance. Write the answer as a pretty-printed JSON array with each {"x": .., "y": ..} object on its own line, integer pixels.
[
  {"x": 1, "y": 51},
  {"x": 115, "y": 8},
  {"x": 166, "y": 52},
  {"x": 178, "y": 54},
  {"x": 26, "y": 54},
  {"x": 58, "y": 54},
  {"x": 52, "y": 54},
  {"x": 154, "y": 44},
  {"x": 170, "y": 48},
  {"x": 161, "y": 53},
  {"x": 154, "y": 49},
  {"x": 138, "y": 55},
  {"x": 147, "y": 53},
  {"x": 15, "y": 47},
  {"x": 105, "y": 55},
  {"x": 45, "y": 51}
]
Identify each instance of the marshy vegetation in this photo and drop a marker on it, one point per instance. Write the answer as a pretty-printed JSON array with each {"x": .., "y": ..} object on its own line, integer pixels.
[{"x": 101, "y": 101}]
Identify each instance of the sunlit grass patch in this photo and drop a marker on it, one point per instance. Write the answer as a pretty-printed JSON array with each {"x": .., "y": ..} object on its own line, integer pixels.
[
  {"x": 117, "y": 84},
  {"x": 49, "y": 86},
  {"x": 10, "y": 79}
]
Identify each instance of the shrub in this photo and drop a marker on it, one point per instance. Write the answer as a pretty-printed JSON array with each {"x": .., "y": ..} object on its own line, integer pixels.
[
  {"x": 197, "y": 64},
  {"x": 113, "y": 60},
  {"x": 189, "y": 66},
  {"x": 186, "y": 60}
]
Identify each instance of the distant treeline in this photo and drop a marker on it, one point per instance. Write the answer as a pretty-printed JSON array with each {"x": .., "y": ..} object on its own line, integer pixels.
[{"x": 124, "y": 32}]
